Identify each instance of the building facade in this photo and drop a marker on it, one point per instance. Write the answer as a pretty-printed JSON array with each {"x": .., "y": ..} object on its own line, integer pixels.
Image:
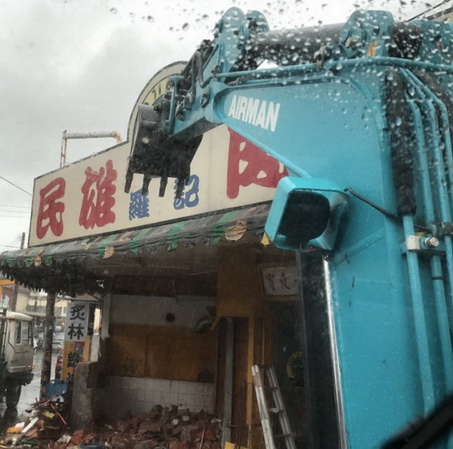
[{"x": 190, "y": 295}]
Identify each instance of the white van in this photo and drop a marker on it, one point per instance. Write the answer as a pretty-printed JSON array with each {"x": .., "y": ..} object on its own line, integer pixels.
[{"x": 16, "y": 354}]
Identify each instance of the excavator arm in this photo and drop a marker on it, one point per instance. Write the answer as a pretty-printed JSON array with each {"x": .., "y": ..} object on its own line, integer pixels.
[
  {"x": 211, "y": 89},
  {"x": 361, "y": 116}
]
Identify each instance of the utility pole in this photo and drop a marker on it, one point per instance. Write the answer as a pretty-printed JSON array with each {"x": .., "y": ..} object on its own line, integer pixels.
[
  {"x": 16, "y": 286},
  {"x": 48, "y": 338}
]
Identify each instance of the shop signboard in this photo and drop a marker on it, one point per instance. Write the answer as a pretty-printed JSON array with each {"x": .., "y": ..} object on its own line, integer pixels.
[
  {"x": 75, "y": 337},
  {"x": 87, "y": 198},
  {"x": 280, "y": 281}
]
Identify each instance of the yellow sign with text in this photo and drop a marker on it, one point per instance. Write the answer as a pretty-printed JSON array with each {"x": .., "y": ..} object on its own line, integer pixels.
[{"x": 73, "y": 354}]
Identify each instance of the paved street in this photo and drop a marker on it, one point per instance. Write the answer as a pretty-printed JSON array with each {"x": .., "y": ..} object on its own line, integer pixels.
[{"x": 29, "y": 395}]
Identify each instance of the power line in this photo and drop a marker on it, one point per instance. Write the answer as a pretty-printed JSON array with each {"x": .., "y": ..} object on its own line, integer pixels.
[
  {"x": 13, "y": 205},
  {"x": 13, "y": 216},
  {"x": 15, "y": 211},
  {"x": 12, "y": 243},
  {"x": 15, "y": 185}
]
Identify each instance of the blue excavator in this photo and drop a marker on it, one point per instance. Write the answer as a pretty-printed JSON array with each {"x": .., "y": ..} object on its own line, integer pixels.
[{"x": 361, "y": 115}]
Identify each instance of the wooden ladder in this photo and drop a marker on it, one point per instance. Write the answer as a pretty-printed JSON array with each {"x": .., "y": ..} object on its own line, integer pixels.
[{"x": 261, "y": 374}]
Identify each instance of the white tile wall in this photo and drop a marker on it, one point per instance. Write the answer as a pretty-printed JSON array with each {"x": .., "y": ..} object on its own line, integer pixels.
[{"x": 138, "y": 395}]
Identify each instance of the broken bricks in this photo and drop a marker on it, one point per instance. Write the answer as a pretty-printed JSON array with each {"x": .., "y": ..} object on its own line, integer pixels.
[
  {"x": 161, "y": 428},
  {"x": 165, "y": 427}
]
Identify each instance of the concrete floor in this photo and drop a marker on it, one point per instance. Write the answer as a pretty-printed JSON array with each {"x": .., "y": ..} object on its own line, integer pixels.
[{"x": 29, "y": 395}]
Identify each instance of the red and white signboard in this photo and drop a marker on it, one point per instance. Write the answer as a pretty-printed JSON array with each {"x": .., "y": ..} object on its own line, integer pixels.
[{"x": 88, "y": 198}]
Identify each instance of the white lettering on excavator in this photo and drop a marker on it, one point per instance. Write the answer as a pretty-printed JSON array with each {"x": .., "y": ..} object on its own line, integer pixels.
[{"x": 254, "y": 111}]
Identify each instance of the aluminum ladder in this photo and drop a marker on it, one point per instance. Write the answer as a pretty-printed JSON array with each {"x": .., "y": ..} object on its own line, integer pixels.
[{"x": 260, "y": 375}]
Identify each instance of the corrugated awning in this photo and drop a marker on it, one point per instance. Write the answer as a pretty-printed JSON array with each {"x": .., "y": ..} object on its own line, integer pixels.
[{"x": 61, "y": 267}]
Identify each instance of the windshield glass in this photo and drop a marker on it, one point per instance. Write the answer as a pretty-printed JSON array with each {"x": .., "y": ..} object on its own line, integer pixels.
[{"x": 234, "y": 207}]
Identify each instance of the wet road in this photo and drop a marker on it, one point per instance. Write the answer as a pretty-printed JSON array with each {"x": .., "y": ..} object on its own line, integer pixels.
[{"x": 29, "y": 395}]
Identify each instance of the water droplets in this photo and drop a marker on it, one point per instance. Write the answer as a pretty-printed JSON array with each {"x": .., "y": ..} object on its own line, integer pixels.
[
  {"x": 185, "y": 26},
  {"x": 113, "y": 11}
]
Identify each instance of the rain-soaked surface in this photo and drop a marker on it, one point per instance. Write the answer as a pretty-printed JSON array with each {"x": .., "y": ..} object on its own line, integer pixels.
[
  {"x": 28, "y": 397},
  {"x": 360, "y": 346}
]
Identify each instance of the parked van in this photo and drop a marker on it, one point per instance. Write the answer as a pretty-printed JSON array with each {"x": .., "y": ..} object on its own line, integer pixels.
[{"x": 16, "y": 354}]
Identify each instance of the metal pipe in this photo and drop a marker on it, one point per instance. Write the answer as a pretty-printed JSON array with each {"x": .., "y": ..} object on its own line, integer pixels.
[
  {"x": 435, "y": 261},
  {"x": 338, "y": 388},
  {"x": 87, "y": 135},
  {"x": 440, "y": 99},
  {"x": 93, "y": 135},
  {"x": 420, "y": 323},
  {"x": 296, "y": 70},
  {"x": 439, "y": 171},
  {"x": 63, "y": 152}
]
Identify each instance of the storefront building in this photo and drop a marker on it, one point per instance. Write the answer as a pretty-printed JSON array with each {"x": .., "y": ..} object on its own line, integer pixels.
[{"x": 190, "y": 294}]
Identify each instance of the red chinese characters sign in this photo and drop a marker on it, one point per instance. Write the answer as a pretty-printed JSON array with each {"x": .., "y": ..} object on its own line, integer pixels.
[
  {"x": 98, "y": 197},
  {"x": 51, "y": 208},
  {"x": 97, "y": 202},
  {"x": 260, "y": 168}
]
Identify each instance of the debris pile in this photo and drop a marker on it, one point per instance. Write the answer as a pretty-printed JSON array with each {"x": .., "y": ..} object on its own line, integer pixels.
[
  {"x": 161, "y": 428},
  {"x": 164, "y": 427},
  {"x": 46, "y": 423}
]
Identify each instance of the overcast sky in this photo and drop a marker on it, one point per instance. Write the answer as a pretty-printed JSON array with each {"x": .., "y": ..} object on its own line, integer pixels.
[{"x": 79, "y": 65}]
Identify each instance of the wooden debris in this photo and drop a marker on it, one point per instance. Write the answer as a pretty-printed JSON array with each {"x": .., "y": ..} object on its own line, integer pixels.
[
  {"x": 30, "y": 425},
  {"x": 161, "y": 428}
]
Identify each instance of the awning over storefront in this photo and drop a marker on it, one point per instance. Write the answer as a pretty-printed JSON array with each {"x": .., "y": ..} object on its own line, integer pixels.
[{"x": 65, "y": 267}]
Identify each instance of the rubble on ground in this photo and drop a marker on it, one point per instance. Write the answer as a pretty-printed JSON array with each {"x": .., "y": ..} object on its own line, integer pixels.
[
  {"x": 47, "y": 422},
  {"x": 160, "y": 428}
]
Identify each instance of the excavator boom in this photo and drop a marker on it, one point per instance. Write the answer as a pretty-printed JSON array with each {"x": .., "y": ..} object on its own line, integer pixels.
[{"x": 361, "y": 116}]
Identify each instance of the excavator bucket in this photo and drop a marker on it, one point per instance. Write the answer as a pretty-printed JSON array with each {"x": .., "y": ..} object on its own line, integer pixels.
[{"x": 154, "y": 156}]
